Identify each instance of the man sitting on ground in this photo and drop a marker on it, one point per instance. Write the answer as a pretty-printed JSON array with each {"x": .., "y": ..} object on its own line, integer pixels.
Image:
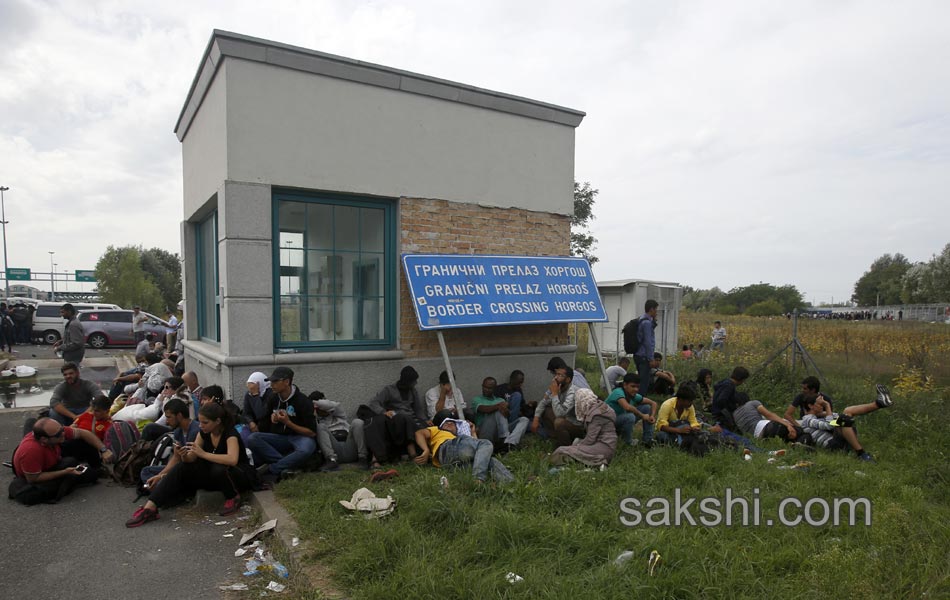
[
  {"x": 52, "y": 459},
  {"x": 292, "y": 436},
  {"x": 663, "y": 383},
  {"x": 513, "y": 393},
  {"x": 725, "y": 399},
  {"x": 630, "y": 407},
  {"x": 492, "y": 418},
  {"x": 837, "y": 432},
  {"x": 677, "y": 419},
  {"x": 440, "y": 397},
  {"x": 183, "y": 430},
  {"x": 811, "y": 387},
  {"x": 340, "y": 440},
  {"x": 580, "y": 382},
  {"x": 556, "y": 409},
  {"x": 442, "y": 444},
  {"x": 615, "y": 374},
  {"x": 73, "y": 396}
]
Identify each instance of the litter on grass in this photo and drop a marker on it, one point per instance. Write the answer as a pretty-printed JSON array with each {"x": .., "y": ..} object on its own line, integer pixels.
[
  {"x": 654, "y": 561},
  {"x": 265, "y": 527},
  {"x": 364, "y": 501},
  {"x": 295, "y": 542},
  {"x": 276, "y": 587},
  {"x": 237, "y": 587},
  {"x": 513, "y": 578},
  {"x": 623, "y": 557}
]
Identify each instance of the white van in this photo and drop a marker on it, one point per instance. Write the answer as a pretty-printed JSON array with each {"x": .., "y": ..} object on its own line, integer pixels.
[{"x": 48, "y": 323}]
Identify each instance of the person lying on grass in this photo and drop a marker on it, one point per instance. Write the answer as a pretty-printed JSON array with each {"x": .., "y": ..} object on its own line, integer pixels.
[
  {"x": 443, "y": 445},
  {"x": 217, "y": 461},
  {"x": 837, "y": 432},
  {"x": 598, "y": 446}
]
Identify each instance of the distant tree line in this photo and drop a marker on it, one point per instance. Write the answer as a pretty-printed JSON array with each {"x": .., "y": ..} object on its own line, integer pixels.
[
  {"x": 131, "y": 275},
  {"x": 892, "y": 279},
  {"x": 758, "y": 299}
]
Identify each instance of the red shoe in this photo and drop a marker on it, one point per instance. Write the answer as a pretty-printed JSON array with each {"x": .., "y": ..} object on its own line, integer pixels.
[
  {"x": 142, "y": 516},
  {"x": 231, "y": 506},
  {"x": 382, "y": 475}
]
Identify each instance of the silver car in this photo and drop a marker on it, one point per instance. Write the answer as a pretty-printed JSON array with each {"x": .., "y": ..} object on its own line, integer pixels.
[{"x": 114, "y": 327}]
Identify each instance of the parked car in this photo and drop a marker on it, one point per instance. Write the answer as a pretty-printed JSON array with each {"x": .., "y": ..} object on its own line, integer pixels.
[
  {"x": 48, "y": 323},
  {"x": 114, "y": 327}
]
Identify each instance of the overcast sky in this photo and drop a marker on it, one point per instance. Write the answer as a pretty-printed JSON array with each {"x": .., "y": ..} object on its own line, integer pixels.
[{"x": 732, "y": 142}]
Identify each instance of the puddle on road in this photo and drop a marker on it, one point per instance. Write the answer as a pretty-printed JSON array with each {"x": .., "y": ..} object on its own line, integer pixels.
[{"x": 36, "y": 390}]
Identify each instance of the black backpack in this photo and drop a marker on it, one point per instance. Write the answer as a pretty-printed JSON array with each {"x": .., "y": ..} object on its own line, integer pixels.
[
  {"x": 129, "y": 466},
  {"x": 631, "y": 342}
]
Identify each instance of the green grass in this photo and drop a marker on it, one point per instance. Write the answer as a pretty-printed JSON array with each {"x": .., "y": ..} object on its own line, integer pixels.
[{"x": 561, "y": 532}]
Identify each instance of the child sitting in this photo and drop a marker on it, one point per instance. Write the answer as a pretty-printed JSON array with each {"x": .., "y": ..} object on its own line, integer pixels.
[{"x": 96, "y": 418}]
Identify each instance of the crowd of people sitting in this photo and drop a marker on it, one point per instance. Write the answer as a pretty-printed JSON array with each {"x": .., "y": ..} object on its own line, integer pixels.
[{"x": 201, "y": 440}]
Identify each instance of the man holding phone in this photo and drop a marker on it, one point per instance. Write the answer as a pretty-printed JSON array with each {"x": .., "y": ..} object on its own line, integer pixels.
[
  {"x": 52, "y": 459},
  {"x": 293, "y": 429}
]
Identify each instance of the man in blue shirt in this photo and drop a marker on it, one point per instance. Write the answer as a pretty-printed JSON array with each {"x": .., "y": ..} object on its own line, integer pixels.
[{"x": 646, "y": 343}]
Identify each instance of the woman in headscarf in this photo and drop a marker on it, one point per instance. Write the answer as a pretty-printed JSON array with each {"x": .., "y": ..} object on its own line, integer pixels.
[
  {"x": 255, "y": 402},
  {"x": 600, "y": 443}
]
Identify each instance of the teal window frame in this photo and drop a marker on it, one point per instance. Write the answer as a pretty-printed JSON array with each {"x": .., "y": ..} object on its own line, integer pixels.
[
  {"x": 390, "y": 270},
  {"x": 202, "y": 281}
]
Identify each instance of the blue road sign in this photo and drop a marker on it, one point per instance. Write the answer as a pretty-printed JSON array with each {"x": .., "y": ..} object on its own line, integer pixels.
[{"x": 461, "y": 290}]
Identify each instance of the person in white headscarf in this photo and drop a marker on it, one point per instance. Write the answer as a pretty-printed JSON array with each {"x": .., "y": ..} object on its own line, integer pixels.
[
  {"x": 599, "y": 444},
  {"x": 255, "y": 403}
]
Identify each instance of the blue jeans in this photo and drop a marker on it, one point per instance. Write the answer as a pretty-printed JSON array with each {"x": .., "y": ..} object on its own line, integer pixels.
[
  {"x": 645, "y": 373},
  {"x": 465, "y": 449},
  {"x": 281, "y": 452},
  {"x": 514, "y": 405},
  {"x": 670, "y": 438},
  {"x": 625, "y": 424}
]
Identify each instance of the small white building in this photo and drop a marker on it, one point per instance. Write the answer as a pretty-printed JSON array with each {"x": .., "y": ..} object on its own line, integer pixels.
[{"x": 624, "y": 300}]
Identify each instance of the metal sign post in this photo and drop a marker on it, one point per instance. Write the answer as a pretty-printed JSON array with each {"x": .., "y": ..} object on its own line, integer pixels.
[
  {"x": 448, "y": 369},
  {"x": 600, "y": 359}
]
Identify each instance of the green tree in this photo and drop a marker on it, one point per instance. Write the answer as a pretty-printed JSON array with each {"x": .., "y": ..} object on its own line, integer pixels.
[
  {"x": 701, "y": 300},
  {"x": 929, "y": 282},
  {"x": 742, "y": 298},
  {"x": 164, "y": 270},
  {"x": 766, "y": 308},
  {"x": 582, "y": 242},
  {"x": 122, "y": 280},
  {"x": 882, "y": 283}
]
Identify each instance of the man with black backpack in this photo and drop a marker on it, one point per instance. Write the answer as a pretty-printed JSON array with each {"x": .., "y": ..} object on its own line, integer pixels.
[{"x": 642, "y": 343}]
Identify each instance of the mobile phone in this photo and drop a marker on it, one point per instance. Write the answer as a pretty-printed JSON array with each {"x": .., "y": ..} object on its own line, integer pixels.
[{"x": 82, "y": 468}]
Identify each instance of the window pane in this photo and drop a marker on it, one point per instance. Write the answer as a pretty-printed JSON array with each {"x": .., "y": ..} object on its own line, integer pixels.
[
  {"x": 369, "y": 316},
  {"x": 369, "y": 274},
  {"x": 319, "y": 226},
  {"x": 323, "y": 318},
  {"x": 323, "y": 273},
  {"x": 291, "y": 310},
  {"x": 292, "y": 217},
  {"x": 346, "y": 225},
  {"x": 372, "y": 237}
]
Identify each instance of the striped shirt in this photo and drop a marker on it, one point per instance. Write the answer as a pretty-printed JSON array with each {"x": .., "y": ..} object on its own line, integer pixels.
[{"x": 820, "y": 429}]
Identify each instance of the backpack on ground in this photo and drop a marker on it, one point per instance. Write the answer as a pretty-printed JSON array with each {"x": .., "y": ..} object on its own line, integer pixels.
[
  {"x": 631, "y": 342},
  {"x": 120, "y": 437},
  {"x": 129, "y": 466},
  {"x": 164, "y": 446}
]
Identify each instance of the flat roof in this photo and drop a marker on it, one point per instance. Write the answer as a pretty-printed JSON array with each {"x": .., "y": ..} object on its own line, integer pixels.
[
  {"x": 616, "y": 283},
  {"x": 227, "y": 44}
]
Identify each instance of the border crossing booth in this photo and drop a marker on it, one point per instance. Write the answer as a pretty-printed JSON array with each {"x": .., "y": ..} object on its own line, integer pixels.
[
  {"x": 624, "y": 300},
  {"x": 307, "y": 176}
]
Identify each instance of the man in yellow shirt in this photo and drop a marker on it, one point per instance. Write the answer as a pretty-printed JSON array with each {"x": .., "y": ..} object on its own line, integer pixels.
[
  {"x": 676, "y": 420},
  {"x": 443, "y": 444}
]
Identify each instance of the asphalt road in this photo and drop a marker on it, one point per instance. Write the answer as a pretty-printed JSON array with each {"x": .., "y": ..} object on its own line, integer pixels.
[{"x": 80, "y": 548}]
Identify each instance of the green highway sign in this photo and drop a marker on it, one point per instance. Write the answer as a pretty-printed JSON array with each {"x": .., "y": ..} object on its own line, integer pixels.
[
  {"x": 18, "y": 274},
  {"x": 85, "y": 275}
]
